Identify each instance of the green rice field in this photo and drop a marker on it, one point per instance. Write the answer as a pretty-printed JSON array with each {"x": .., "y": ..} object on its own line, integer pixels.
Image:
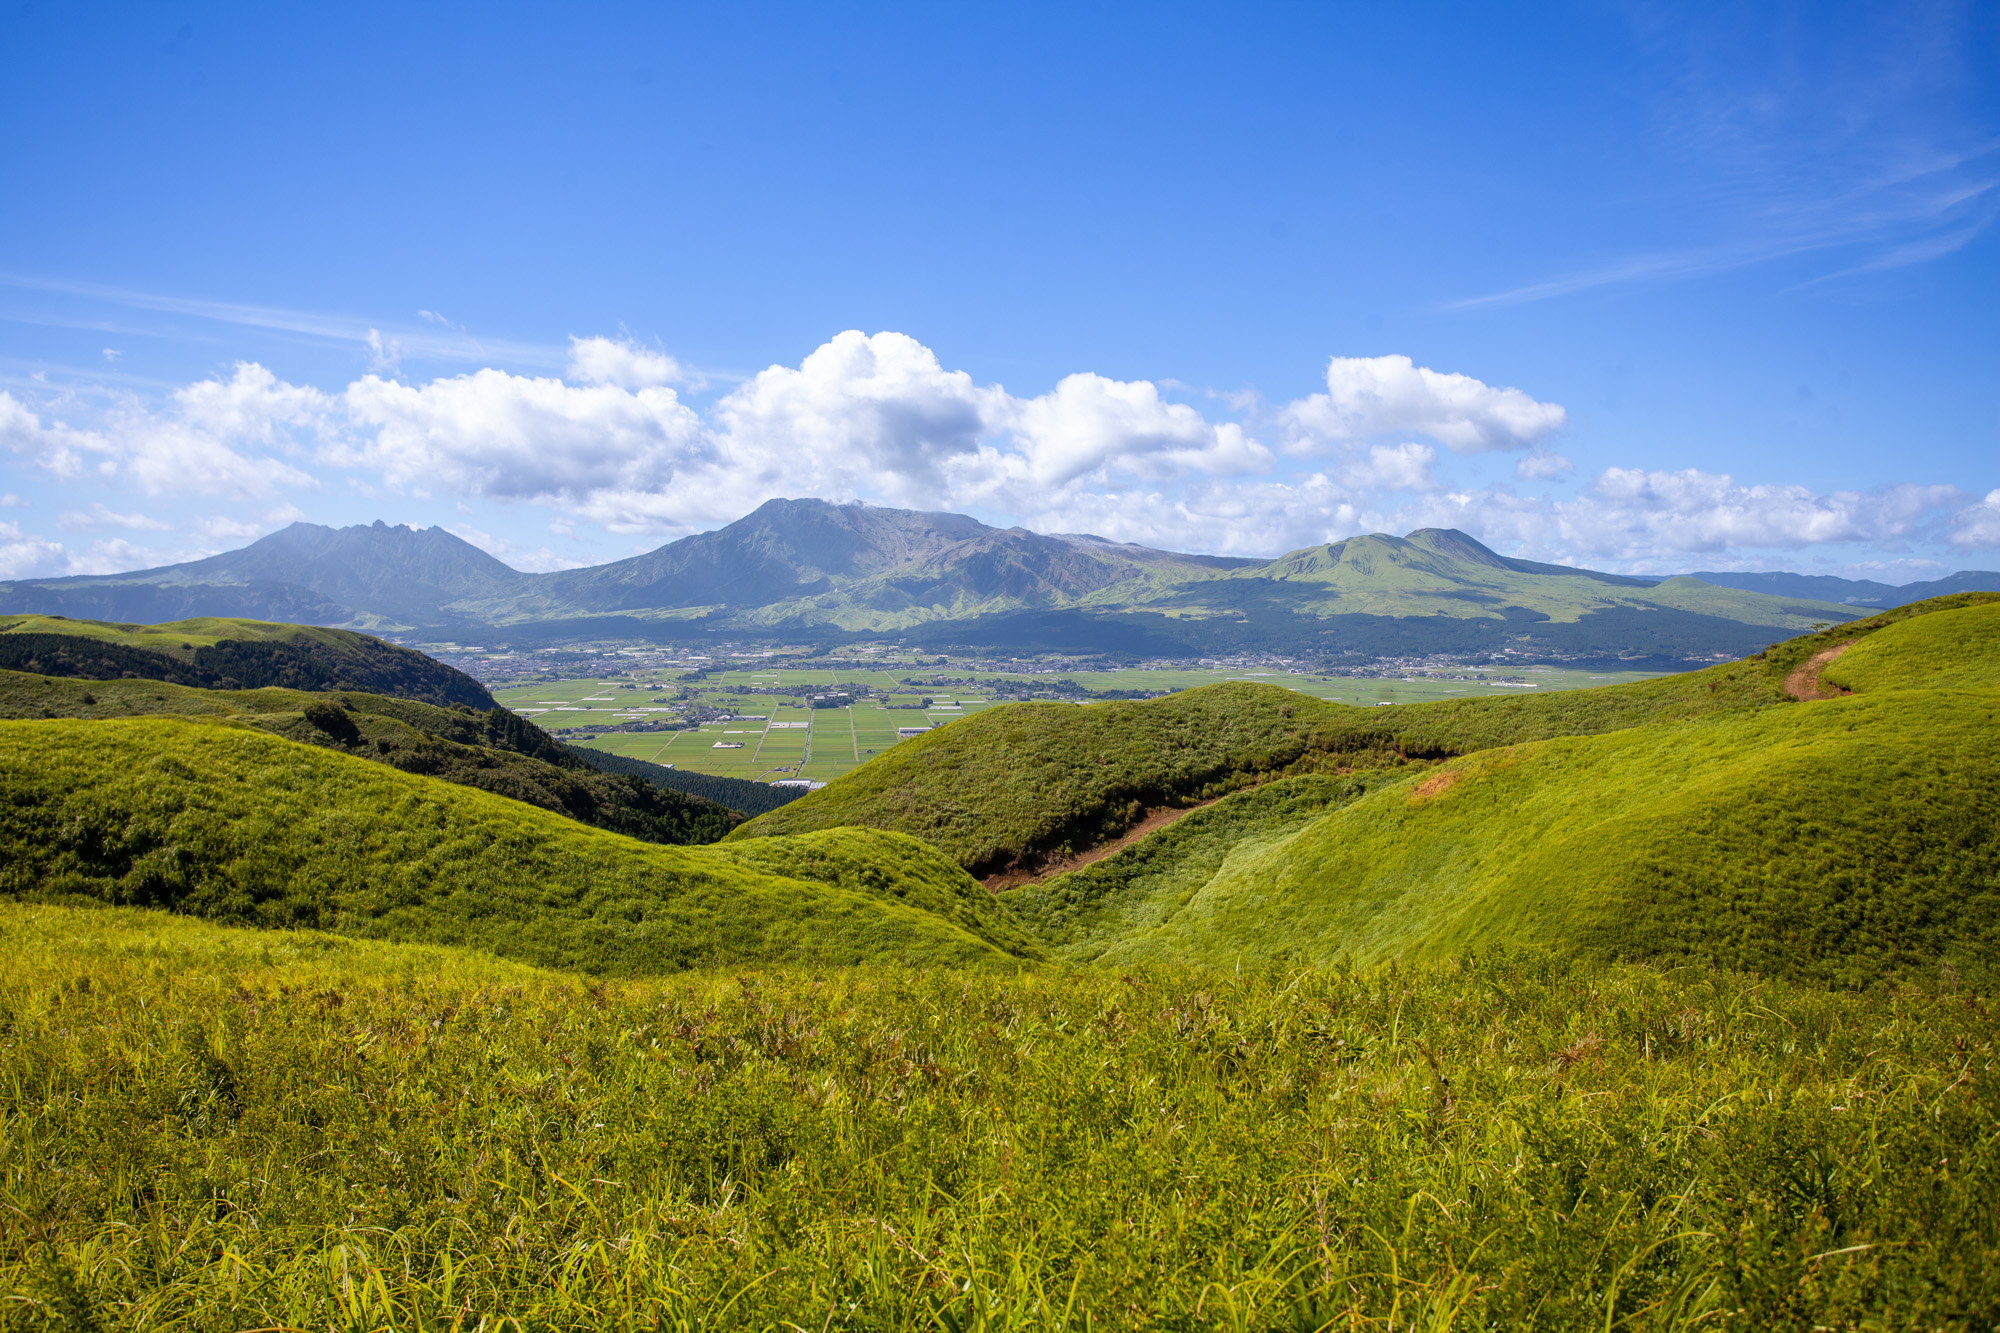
[{"x": 774, "y": 738}]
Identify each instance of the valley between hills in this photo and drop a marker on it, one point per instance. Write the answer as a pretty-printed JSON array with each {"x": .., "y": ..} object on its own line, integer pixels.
[{"x": 343, "y": 996}]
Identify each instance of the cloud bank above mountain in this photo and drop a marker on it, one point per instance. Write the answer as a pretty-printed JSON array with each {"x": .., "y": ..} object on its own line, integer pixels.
[{"x": 613, "y": 443}]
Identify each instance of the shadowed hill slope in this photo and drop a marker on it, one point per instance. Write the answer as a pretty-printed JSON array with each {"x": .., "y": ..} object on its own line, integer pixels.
[
  {"x": 495, "y": 751},
  {"x": 232, "y": 655},
  {"x": 237, "y": 826}
]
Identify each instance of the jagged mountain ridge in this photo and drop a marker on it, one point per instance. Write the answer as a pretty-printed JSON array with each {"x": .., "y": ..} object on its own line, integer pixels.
[{"x": 810, "y": 567}]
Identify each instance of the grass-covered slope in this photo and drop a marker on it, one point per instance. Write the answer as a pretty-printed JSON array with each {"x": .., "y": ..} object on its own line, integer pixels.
[
  {"x": 993, "y": 789},
  {"x": 223, "y": 1129},
  {"x": 1016, "y": 784},
  {"x": 1955, "y": 647},
  {"x": 1081, "y": 914},
  {"x": 232, "y": 654},
  {"x": 235, "y": 825},
  {"x": 494, "y": 751},
  {"x": 1845, "y": 840}
]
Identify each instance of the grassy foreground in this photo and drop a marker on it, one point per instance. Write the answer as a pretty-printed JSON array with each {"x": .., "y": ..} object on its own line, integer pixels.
[{"x": 209, "y": 1128}]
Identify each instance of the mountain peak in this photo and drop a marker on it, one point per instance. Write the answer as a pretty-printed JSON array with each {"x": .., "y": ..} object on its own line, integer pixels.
[{"x": 1456, "y": 545}]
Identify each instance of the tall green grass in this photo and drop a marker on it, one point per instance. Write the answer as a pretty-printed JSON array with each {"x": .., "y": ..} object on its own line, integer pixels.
[{"x": 216, "y": 1129}]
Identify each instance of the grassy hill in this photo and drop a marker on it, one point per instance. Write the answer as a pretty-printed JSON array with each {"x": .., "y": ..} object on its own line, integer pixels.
[
  {"x": 1707, "y": 816},
  {"x": 232, "y": 824},
  {"x": 494, "y": 751},
  {"x": 1020, "y": 784},
  {"x": 232, "y": 654},
  {"x": 1845, "y": 841},
  {"x": 211, "y": 1128}
]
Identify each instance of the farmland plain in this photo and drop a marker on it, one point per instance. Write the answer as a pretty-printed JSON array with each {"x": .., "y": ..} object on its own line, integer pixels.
[{"x": 780, "y": 739}]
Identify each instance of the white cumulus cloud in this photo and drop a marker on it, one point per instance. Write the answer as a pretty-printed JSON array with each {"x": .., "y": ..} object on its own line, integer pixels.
[
  {"x": 1371, "y": 396},
  {"x": 1635, "y": 511},
  {"x": 24, "y": 555},
  {"x": 604, "y": 452},
  {"x": 1543, "y": 467},
  {"x": 875, "y": 416},
  {"x": 1089, "y": 424},
  {"x": 620, "y": 362},
  {"x": 1977, "y": 526},
  {"x": 216, "y": 437}
]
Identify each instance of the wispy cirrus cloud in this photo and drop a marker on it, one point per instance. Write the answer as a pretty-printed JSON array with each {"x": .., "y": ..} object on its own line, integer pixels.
[
  {"x": 430, "y": 339},
  {"x": 1864, "y": 138}
]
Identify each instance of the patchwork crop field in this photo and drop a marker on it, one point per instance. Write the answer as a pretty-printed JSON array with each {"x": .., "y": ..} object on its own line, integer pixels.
[{"x": 774, "y": 737}]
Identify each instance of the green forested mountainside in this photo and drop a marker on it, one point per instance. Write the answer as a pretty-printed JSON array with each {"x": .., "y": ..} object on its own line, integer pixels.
[
  {"x": 232, "y": 654},
  {"x": 495, "y": 751},
  {"x": 223, "y": 1129},
  {"x": 235, "y": 825},
  {"x": 1015, "y": 784}
]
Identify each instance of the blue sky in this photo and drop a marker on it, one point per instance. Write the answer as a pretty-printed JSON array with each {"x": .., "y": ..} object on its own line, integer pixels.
[{"x": 1640, "y": 287}]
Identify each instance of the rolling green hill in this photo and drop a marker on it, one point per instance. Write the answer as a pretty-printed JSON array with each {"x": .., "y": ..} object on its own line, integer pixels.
[
  {"x": 1018, "y": 785},
  {"x": 231, "y": 655},
  {"x": 1708, "y": 815},
  {"x": 231, "y": 824},
  {"x": 494, "y": 751},
  {"x": 1844, "y": 841}
]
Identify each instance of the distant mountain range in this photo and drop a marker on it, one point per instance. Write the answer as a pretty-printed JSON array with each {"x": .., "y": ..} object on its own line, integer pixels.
[
  {"x": 1854, "y": 592},
  {"x": 809, "y": 570}
]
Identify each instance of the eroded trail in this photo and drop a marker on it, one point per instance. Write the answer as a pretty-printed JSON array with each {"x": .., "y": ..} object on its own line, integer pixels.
[
  {"x": 1804, "y": 681},
  {"x": 1154, "y": 821}
]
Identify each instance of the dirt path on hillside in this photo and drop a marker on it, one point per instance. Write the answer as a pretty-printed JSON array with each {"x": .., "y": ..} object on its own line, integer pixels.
[
  {"x": 1804, "y": 682},
  {"x": 1154, "y": 821}
]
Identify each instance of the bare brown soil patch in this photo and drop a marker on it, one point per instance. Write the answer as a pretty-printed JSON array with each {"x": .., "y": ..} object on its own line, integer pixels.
[
  {"x": 1153, "y": 822},
  {"x": 1804, "y": 681},
  {"x": 1435, "y": 785}
]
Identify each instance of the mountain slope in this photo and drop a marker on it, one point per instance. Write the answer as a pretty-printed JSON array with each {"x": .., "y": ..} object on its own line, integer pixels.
[
  {"x": 232, "y": 654},
  {"x": 809, "y": 568},
  {"x": 238, "y": 826},
  {"x": 329, "y": 575},
  {"x": 1708, "y": 814},
  {"x": 1441, "y": 571}
]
